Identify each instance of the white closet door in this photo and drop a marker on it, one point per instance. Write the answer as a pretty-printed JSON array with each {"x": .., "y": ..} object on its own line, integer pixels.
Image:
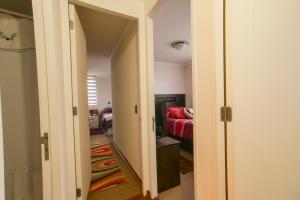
[
  {"x": 264, "y": 92},
  {"x": 79, "y": 85}
]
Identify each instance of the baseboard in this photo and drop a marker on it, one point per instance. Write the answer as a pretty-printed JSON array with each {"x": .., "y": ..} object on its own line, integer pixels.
[
  {"x": 141, "y": 197},
  {"x": 148, "y": 196},
  {"x": 127, "y": 163}
]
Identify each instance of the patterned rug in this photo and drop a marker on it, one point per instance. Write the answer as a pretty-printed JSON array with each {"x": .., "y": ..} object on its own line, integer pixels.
[{"x": 106, "y": 172}]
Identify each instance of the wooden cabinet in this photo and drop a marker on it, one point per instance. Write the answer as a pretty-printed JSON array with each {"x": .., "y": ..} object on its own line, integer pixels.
[{"x": 168, "y": 172}]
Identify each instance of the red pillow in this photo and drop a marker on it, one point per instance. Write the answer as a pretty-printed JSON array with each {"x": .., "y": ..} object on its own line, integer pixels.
[{"x": 176, "y": 112}]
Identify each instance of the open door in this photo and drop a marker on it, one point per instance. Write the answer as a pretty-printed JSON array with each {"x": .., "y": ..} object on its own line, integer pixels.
[{"x": 80, "y": 104}]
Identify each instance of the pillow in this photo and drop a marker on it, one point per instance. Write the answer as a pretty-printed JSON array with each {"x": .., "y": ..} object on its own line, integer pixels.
[
  {"x": 176, "y": 112},
  {"x": 188, "y": 112}
]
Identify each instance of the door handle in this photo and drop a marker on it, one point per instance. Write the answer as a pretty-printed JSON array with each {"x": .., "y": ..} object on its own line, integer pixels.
[
  {"x": 153, "y": 124},
  {"x": 45, "y": 142}
]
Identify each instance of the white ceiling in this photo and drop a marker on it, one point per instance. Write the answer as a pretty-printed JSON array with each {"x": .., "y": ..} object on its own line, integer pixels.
[
  {"x": 102, "y": 30},
  {"x": 20, "y": 6},
  {"x": 172, "y": 22}
]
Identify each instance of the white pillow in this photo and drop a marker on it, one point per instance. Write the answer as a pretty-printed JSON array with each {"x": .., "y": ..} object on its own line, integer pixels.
[{"x": 188, "y": 112}]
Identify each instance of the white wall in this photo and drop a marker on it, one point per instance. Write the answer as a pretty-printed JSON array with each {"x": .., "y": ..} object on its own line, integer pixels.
[
  {"x": 188, "y": 85},
  {"x": 173, "y": 79},
  {"x": 125, "y": 95},
  {"x": 169, "y": 78},
  {"x": 100, "y": 67},
  {"x": 104, "y": 98}
]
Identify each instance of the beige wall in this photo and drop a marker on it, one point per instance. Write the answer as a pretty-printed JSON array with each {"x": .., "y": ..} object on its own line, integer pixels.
[
  {"x": 149, "y": 5},
  {"x": 125, "y": 96}
]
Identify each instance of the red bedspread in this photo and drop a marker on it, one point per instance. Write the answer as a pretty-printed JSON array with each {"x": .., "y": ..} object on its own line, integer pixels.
[{"x": 180, "y": 127}]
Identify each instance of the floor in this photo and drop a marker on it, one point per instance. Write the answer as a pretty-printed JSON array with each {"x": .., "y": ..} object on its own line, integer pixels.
[
  {"x": 133, "y": 189},
  {"x": 185, "y": 191},
  {"x": 130, "y": 190}
]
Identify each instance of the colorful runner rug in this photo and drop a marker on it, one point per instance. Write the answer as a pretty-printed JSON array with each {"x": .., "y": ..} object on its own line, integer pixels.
[{"x": 106, "y": 172}]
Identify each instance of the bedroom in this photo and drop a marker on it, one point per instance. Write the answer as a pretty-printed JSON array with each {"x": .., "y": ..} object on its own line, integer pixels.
[{"x": 173, "y": 100}]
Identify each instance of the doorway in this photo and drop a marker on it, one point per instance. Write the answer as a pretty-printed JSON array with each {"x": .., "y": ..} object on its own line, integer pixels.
[
  {"x": 104, "y": 55},
  {"x": 173, "y": 100}
]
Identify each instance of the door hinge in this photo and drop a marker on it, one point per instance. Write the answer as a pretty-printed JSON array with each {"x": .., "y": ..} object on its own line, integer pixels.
[
  {"x": 45, "y": 142},
  {"x": 75, "y": 111},
  {"x": 226, "y": 114},
  {"x": 78, "y": 192},
  {"x": 71, "y": 25}
]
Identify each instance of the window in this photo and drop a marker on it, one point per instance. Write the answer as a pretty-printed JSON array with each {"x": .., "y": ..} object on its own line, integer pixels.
[{"x": 92, "y": 92}]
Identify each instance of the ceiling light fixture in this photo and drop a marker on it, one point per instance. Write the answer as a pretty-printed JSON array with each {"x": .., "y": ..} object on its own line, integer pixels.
[{"x": 179, "y": 45}]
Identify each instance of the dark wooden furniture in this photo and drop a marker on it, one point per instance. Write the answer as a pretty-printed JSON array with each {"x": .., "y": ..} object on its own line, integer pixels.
[
  {"x": 162, "y": 102},
  {"x": 168, "y": 171}
]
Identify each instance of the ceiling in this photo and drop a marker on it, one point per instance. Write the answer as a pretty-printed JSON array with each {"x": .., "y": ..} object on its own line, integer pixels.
[
  {"x": 172, "y": 22},
  {"x": 102, "y": 30},
  {"x": 19, "y": 6}
]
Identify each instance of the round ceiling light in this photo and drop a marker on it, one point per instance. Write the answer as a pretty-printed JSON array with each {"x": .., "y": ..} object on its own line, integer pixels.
[{"x": 179, "y": 44}]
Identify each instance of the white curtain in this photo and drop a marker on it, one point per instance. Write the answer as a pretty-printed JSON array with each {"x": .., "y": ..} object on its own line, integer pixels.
[{"x": 19, "y": 89}]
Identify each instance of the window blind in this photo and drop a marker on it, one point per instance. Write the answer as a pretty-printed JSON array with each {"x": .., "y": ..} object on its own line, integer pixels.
[{"x": 92, "y": 92}]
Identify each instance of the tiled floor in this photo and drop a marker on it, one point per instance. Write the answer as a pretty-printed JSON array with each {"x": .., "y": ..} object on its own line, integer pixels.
[
  {"x": 186, "y": 189},
  {"x": 121, "y": 192},
  {"x": 183, "y": 192}
]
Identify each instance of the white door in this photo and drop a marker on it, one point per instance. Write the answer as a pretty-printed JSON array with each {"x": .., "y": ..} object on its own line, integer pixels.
[
  {"x": 79, "y": 85},
  {"x": 264, "y": 93}
]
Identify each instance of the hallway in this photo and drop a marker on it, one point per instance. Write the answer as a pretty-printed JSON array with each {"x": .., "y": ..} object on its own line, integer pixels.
[{"x": 130, "y": 190}]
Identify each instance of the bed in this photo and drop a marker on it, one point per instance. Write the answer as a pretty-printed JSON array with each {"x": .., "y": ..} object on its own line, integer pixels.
[
  {"x": 106, "y": 118},
  {"x": 179, "y": 127}
]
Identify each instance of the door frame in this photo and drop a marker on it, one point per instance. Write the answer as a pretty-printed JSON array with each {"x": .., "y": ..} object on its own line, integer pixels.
[
  {"x": 207, "y": 36},
  {"x": 53, "y": 31},
  {"x": 208, "y": 95},
  {"x": 135, "y": 12},
  {"x": 131, "y": 10}
]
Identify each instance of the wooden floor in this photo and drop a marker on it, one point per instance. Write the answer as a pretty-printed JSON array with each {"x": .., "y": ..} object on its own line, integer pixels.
[{"x": 140, "y": 197}]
